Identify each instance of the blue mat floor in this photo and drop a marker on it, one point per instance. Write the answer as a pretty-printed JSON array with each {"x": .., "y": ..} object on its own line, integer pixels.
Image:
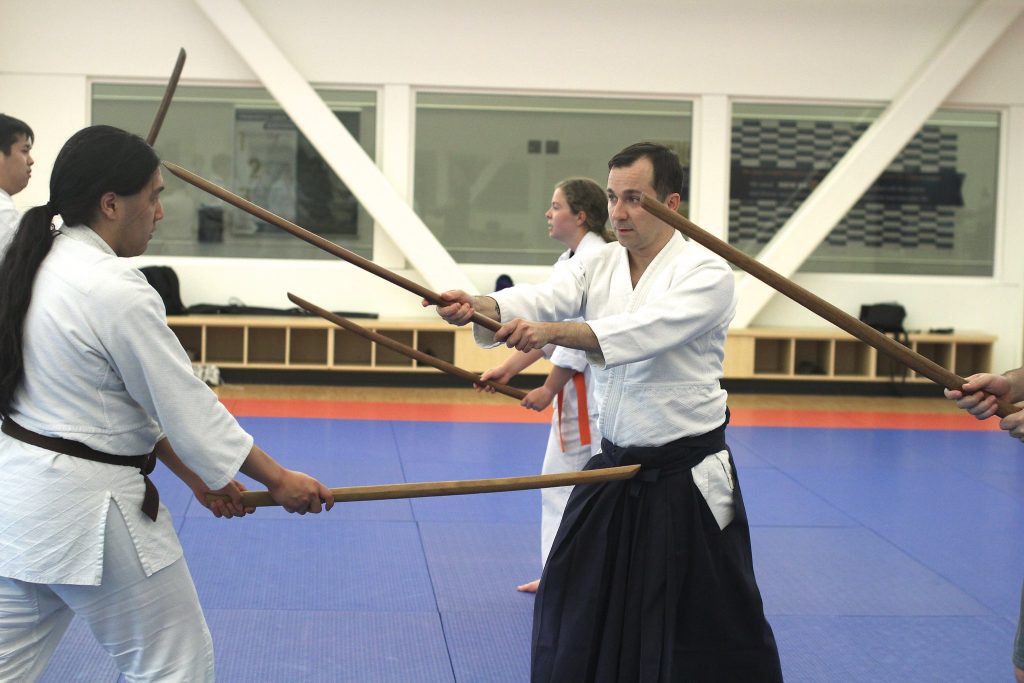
[{"x": 882, "y": 555}]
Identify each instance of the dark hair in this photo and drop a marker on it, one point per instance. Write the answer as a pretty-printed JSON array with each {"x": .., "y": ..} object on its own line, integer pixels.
[
  {"x": 583, "y": 194},
  {"x": 10, "y": 129},
  {"x": 96, "y": 160},
  {"x": 668, "y": 173}
]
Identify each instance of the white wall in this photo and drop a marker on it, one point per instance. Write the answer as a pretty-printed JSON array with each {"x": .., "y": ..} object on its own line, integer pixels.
[{"x": 774, "y": 50}]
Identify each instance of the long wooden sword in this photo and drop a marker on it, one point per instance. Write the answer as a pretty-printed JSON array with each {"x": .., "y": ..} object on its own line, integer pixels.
[{"x": 165, "y": 103}]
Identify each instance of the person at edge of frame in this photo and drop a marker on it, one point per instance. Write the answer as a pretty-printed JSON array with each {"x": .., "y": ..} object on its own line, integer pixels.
[
  {"x": 16, "y": 140},
  {"x": 978, "y": 397}
]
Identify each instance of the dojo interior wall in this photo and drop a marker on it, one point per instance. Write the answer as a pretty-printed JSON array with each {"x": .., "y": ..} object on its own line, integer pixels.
[{"x": 791, "y": 51}]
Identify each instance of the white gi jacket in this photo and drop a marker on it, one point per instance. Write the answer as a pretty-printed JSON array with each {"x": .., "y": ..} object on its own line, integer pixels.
[
  {"x": 102, "y": 368},
  {"x": 662, "y": 343},
  {"x": 9, "y": 219},
  {"x": 575, "y": 359}
]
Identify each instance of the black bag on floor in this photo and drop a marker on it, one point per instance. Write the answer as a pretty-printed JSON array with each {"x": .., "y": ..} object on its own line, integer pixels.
[
  {"x": 884, "y": 318},
  {"x": 888, "y": 319},
  {"x": 165, "y": 281}
]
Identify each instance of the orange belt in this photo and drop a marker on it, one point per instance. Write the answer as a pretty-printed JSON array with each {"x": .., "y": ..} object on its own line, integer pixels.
[{"x": 580, "y": 383}]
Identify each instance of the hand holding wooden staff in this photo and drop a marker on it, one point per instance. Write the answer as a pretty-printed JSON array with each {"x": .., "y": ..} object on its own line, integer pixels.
[{"x": 887, "y": 345}]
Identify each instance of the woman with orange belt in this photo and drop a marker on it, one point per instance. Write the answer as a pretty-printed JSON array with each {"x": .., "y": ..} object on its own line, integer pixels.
[{"x": 576, "y": 218}]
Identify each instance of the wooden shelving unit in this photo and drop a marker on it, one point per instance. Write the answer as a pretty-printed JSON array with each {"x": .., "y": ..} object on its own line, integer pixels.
[
  {"x": 303, "y": 343},
  {"x": 833, "y": 355}
]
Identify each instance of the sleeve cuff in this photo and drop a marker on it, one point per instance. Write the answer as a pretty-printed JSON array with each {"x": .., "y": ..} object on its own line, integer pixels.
[{"x": 234, "y": 466}]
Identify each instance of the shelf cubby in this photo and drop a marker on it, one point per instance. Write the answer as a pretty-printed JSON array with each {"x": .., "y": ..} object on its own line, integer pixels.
[
  {"x": 440, "y": 345},
  {"x": 773, "y": 356},
  {"x": 852, "y": 360},
  {"x": 224, "y": 345},
  {"x": 812, "y": 357},
  {"x": 351, "y": 349},
  {"x": 191, "y": 339},
  {"x": 939, "y": 353},
  {"x": 385, "y": 357},
  {"x": 832, "y": 354},
  {"x": 970, "y": 358},
  {"x": 267, "y": 345},
  {"x": 307, "y": 346}
]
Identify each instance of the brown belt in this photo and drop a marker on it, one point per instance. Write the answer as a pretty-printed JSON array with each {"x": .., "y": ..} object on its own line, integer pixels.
[{"x": 145, "y": 463}]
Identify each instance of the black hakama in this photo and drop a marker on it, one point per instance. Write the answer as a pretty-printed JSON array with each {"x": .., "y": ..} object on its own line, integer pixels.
[{"x": 642, "y": 586}]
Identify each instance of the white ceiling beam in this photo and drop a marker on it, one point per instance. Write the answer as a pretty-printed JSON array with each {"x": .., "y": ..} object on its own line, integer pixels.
[
  {"x": 336, "y": 145},
  {"x": 865, "y": 161}
]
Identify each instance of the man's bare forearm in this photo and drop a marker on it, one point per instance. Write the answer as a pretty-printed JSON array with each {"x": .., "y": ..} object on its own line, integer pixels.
[
  {"x": 558, "y": 378},
  {"x": 574, "y": 335},
  {"x": 485, "y": 305},
  {"x": 1016, "y": 378},
  {"x": 170, "y": 459},
  {"x": 521, "y": 360}
]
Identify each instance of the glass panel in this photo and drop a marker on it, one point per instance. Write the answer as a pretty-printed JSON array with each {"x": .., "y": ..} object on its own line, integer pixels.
[
  {"x": 240, "y": 139},
  {"x": 486, "y": 164},
  {"x": 932, "y": 211}
]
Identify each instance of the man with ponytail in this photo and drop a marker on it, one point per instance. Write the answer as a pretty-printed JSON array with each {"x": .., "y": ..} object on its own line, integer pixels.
[
  {"x": 93, "y": 386},
  {"x": 15, "y": 170}
]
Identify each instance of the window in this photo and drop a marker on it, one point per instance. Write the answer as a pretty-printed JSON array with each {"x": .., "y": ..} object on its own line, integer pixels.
[
  {"x": 486, "y": 165},
  {"x": 240, "y": 139},
  {"x": 932, "y": 211}
]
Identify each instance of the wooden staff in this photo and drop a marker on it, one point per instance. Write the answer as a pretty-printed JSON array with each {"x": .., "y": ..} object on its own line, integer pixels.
[
  {"x": 165, "y": 103},
  {"x": 459, "y": 487},
  {"x": 867, "y": 334},
  {"x": 318, "y": 241},
  {"x": 405, "y": 350}
]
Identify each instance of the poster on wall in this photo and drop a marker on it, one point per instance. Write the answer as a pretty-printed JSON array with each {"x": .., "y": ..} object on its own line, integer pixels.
[
  {"x": 277, "y": 168},
  {"x": 266, "y": 146}
]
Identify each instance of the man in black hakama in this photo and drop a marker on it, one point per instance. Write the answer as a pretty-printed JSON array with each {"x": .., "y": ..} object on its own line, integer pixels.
[{"x": 642, "y": 585}]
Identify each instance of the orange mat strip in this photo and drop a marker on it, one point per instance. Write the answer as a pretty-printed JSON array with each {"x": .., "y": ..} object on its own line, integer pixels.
[
  {"x": 844, "y": 419},
  {"x": 467, "y": 412},
  {"x": 352, "y": 410}
]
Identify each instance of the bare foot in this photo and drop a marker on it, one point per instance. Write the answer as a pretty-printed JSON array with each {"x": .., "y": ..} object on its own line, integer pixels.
[{"x": 529, "y": 587}]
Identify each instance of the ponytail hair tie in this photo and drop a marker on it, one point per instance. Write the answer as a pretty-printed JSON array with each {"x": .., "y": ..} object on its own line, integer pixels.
[{"x": 51, "y": 209}]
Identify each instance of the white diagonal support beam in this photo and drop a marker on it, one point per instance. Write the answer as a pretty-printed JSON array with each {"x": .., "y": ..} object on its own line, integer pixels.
[
  {"x": 876, "y": 148},
  {"x": 336, "y": 145}
]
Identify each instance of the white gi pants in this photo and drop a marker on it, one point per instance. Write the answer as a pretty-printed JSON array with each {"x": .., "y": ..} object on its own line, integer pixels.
[
  {"x": 152, "y": 626},
  {"x": 556, "y": 461}
]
